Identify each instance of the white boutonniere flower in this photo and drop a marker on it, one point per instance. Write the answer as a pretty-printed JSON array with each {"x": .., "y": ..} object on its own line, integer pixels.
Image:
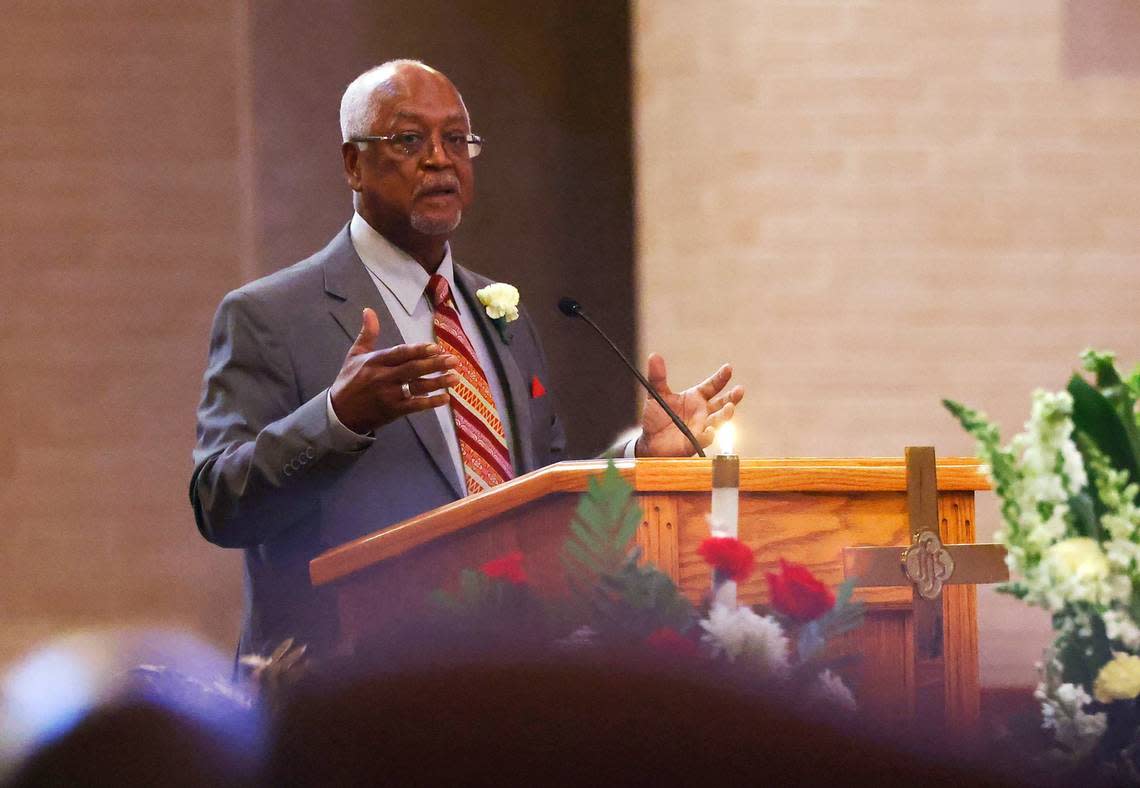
[
  {"x": 502, "y": 304},
  {"x": 501, "y": 301}
]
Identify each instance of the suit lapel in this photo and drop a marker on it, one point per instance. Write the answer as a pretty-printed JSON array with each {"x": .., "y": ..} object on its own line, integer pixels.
[
  {"x": 511, "y": 376},
  {"x": 352, "y": 289}
]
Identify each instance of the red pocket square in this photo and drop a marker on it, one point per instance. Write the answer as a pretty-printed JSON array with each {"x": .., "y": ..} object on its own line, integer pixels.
[{"x": 536, "y": 388}]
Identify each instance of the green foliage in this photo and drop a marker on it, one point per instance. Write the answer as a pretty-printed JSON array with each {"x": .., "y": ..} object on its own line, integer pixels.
[
  {"x": 844, "y": 616},
  {"x": 1002, "y": 464},
  {"x": 1122, "y": 393},
  {"x": 1084, "y": 513},
  {"x": 472, "y": 597},
  {"x": 620, "y": 596},
  {"x": 492, "y": 611},
  {"x": 603, "y": 526},
  {"x": 1132, "y": 383},
  {"x": 1082, "y": 649},
  {"x": 1014, "y": 588},
  {"x": 1107, "y": 420},
  {"x": 636, "y": 600}
]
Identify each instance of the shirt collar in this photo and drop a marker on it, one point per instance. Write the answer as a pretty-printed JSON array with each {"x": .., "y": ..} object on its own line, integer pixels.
[{"x": 393, "y": 268}]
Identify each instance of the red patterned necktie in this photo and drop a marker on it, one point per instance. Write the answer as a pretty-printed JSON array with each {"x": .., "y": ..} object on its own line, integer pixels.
[{"x": 482, "y": 441}]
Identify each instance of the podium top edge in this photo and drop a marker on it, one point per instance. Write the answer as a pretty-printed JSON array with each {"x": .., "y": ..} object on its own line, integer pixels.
[{"x": 821, "y": 475}]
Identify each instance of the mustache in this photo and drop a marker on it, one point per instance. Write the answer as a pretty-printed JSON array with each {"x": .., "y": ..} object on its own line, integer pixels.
[{"x": 449, "y": 182}]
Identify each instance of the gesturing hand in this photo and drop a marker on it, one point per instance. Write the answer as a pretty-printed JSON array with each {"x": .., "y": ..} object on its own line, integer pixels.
[
  {"x": 368, "y": 393},
  {"x": 703, "y": 408}
]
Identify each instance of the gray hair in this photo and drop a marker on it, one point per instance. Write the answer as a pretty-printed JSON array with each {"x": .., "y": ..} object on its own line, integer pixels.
[{"x": 356, "y": 104}]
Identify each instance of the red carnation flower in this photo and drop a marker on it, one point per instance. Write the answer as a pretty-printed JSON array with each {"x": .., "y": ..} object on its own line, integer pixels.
[
  {"x": 508, "y": 567},
  {"x": 671, "y": 643},
  {"x": 730, "y": 558},
  {"x": 798, "y": 594}
]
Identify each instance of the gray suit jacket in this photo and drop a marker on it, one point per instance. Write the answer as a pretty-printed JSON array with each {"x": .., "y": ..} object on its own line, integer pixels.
[{"x": 267, "y": 477}]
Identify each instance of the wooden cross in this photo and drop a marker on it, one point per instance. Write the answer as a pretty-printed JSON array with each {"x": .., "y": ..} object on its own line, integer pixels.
[{"x": 926, "y": 565}]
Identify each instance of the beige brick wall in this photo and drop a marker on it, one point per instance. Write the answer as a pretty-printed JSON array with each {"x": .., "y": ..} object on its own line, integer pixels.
[
  {"x": 867, "y": 206},
  {"x": 121, "y": 228}
]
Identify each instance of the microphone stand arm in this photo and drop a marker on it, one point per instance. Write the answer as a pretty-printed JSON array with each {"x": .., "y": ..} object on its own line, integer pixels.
[{"x": 684, "y": 428}]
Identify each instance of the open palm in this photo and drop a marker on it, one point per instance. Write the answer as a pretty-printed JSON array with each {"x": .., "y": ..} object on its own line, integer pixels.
[{"x": 703, "y": 408}]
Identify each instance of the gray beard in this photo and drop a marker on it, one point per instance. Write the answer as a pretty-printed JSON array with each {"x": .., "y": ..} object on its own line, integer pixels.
[{"x": 422, "y": 224}]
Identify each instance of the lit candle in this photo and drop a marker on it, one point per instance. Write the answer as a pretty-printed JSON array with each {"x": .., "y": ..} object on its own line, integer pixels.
[{"x": 725, "y": 516}]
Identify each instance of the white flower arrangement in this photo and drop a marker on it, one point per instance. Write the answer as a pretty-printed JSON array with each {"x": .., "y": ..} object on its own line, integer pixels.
[
  {"x": 740, "y": 634},
  {"x": 1071, "y": 527},
  {"x": 1063, "y": 711}
]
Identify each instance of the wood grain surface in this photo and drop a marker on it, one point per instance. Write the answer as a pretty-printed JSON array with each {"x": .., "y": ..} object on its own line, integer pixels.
[
  {"x": 821, "y": 475},
  {"x": 960, "y": 619}
]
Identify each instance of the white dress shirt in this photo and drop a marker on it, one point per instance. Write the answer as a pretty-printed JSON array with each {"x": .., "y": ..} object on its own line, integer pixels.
[{"x": 402, "y": 283}]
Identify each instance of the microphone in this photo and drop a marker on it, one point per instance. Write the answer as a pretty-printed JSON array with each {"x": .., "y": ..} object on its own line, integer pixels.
[{"x": 571, "y": 308}]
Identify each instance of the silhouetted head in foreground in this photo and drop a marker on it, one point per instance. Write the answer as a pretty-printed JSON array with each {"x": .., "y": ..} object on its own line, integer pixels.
[
  {"x": 137, "y": 743},
  {"x": 582, "y": 723}
]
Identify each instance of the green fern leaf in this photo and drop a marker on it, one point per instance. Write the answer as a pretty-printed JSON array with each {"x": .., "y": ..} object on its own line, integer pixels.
[
  {"x": 602, "y": 568},
  {"x": 604, "y": 523},
  {"x": 625, "y": 534}
]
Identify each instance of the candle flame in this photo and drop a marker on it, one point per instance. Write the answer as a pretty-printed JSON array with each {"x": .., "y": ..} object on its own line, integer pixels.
[{"x": 726, "y": 438}]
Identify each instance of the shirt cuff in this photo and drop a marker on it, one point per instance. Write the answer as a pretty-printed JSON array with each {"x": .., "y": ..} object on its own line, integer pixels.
[
  {"x": 631, "y": 447},
  {"x": 340, "y": 436}
]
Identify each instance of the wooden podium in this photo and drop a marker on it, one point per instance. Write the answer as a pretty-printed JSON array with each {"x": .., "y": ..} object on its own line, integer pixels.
[{"x": 804, "y": 510}]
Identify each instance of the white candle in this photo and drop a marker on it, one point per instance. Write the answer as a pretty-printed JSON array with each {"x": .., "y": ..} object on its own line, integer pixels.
[
  {"x": 726, "y": 485},
  {"x": 725, "y": 516}
]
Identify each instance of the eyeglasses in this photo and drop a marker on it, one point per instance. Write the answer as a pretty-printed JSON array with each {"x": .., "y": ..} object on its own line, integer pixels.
[{"x": 412, "y": 143}]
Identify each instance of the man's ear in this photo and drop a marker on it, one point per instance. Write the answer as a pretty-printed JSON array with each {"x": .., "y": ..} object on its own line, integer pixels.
[{"x": 351, "y": 155}]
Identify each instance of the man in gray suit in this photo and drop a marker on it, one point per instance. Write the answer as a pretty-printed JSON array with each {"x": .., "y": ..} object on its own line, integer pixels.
[{"x": 327, "y": 407}]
